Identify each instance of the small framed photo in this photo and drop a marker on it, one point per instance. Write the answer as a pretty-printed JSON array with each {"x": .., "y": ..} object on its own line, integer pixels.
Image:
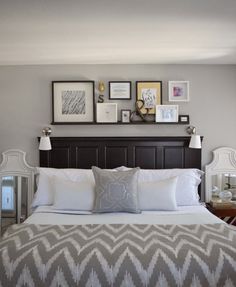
[
  {"x": 106, "y": 113},
  {"x": 120, "y": 90},
  {"x": 125, "y": 116},
  {"x": 167, "y": 113},
  {"x": 72, "y": 102},
  {"x": 178, "y": 91},
  {"x": 184, "y": 119},
  {"x": 150, "y": 92}
]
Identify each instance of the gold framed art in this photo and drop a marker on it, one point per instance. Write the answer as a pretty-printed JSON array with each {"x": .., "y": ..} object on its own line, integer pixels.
[{"x": 150, "y": 92}]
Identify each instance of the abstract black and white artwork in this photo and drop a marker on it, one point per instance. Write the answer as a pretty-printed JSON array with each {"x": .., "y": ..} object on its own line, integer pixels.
[{"x": 73, "y": 102}]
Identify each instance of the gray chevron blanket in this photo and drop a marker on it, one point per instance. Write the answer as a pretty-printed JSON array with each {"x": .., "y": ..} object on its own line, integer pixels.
[{"x": 118, "y": 255}]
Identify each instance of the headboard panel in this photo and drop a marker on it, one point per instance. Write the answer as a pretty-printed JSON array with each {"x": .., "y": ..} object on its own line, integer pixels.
[{"x": 110, "y": 152}]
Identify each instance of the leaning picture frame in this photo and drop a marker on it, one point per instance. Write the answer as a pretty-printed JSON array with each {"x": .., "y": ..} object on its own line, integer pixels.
[
  {"x": 178, "y": 91},
  {"x": 106, "y": 112},
  {"x": 72, "y": 102},
  {"x": 119, "y": 90},
  {"x": 125, "y": 116},
  {"x": 167, "y": 113},
  {"x": 150, "y": 93}
]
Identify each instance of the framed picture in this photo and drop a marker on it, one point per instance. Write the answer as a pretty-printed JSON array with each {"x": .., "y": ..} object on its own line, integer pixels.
[
  {"x": 150, "y": 92},
  {"x": 72, "y": 102},
  {"x": 125, "y": 116},
  {"x": 120, "y": 90},
  {"x": 106, "y": 113},
  {"x": 167, "y": 113},
  {"x": 178, "y": 91},
  {"x": 184, "y": 119}
]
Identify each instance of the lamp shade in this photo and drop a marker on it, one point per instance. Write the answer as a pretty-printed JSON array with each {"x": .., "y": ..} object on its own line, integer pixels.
[
  {"x": 195, "y": 142},
  {"x": 45, "y": 143}
]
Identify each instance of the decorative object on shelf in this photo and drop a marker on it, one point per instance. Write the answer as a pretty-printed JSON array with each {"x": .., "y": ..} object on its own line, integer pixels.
[
  {"x": 106, "y": 113},
  {"x": 167, "y": 113},
  {"x": 120, "y": 90},
  {"x": 178, "y": 91},
  {"x": 125, "y": 116},
  {"x": 150, "y": 92},
  {"x": 101, "y": 88},
  {"x": 215, "y": 191},
  {"x": 184, "y": 119},
  {"x": 229, "y": 180},
  {"x": 45, "y": 143},
  {"x": 195, "y": 141},
  {"x": 225, "y": 195},
  {"x": 72, "y": 102},
  {"x": 140, "y": 112},
  {"x": 218, "y": 203}
]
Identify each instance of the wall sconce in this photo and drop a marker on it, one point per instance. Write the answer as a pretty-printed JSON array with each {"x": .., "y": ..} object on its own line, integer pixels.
[
  {"x": 45, "y": 143},
  {"x": 195, "y": 141}
]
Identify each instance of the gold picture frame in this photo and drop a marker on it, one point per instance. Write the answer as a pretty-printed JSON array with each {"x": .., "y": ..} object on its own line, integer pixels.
[{"x": 150, "y": 92}]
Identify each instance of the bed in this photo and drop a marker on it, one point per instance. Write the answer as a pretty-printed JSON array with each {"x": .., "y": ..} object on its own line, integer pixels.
[{"x": 186, "y": 246}]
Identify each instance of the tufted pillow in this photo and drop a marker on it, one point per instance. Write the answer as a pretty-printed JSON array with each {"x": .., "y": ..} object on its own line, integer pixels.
[{"x": 116, "y": 191}]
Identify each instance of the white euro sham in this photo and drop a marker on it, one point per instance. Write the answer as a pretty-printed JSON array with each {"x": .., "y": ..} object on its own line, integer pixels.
[{"x": 187, "y": 185}]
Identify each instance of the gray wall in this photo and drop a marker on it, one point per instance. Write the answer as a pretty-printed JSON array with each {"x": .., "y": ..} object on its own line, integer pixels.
[{"x": 25, "y": 103}]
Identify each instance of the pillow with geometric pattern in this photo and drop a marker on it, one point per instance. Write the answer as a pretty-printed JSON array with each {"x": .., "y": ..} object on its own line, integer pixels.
[{"x": 116, "y": 191}]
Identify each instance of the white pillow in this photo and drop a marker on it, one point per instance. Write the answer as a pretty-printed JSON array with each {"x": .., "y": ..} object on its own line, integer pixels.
[
  {"x": 158, "y": 195},
  {"x": 187, "y": 185},
  {"x": 44, "y": 194},
  {"x": 69, "y": 195},
  {"x": 73, "y": 174}
]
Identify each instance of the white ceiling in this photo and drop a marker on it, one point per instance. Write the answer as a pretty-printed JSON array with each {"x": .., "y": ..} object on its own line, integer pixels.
[{"x": 117, "y": 31}]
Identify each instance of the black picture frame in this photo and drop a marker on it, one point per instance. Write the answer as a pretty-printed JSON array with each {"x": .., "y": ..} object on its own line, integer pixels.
[
  {"x": 67, "y": 112},
  {"x": 184, "y": 119},
  {"x": 118, "y": 85}
]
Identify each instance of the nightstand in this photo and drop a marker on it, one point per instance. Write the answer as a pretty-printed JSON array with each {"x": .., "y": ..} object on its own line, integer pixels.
[
  {"x": 228, "y": 214},
  {"x": 16, "y": 188}
]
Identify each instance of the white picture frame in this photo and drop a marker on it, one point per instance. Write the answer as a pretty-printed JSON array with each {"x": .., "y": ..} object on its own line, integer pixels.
[
  {"x": 167, "y": 113},
  {"x": 125, "y": 116},
  {"x": 178, "y": 91},
  {"x": 72, "y": 102},
  {"x": 106, "y": 112}
]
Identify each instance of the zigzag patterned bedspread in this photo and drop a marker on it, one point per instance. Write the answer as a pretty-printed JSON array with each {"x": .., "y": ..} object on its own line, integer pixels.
[{"x": 118, "y": 255}]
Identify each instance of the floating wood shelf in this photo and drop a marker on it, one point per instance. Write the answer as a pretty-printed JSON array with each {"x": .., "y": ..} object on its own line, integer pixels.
[{"x": 120, "y": 123}]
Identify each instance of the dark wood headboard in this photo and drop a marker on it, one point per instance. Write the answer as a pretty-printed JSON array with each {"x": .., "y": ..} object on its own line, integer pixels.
[{"x": 110, "y": 152}]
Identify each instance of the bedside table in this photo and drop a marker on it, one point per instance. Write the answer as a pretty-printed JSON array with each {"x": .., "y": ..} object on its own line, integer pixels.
[
  {"x": 16, "y": 188},
  {"x": 228, "y": 214}
]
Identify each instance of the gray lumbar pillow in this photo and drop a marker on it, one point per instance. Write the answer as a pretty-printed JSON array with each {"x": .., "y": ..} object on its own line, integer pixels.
[{"x": 116, "y": 191}]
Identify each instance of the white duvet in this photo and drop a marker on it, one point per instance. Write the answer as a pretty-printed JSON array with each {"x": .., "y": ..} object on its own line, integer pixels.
[{"x": 184, "y": 215}]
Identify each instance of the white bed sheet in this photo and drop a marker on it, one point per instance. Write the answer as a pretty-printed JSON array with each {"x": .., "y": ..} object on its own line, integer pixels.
[{"x": 184, "y": 215}]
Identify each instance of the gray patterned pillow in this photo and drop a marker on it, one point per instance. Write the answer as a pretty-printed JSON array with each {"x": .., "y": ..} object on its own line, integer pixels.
[{"x": 116, "y": 191}]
